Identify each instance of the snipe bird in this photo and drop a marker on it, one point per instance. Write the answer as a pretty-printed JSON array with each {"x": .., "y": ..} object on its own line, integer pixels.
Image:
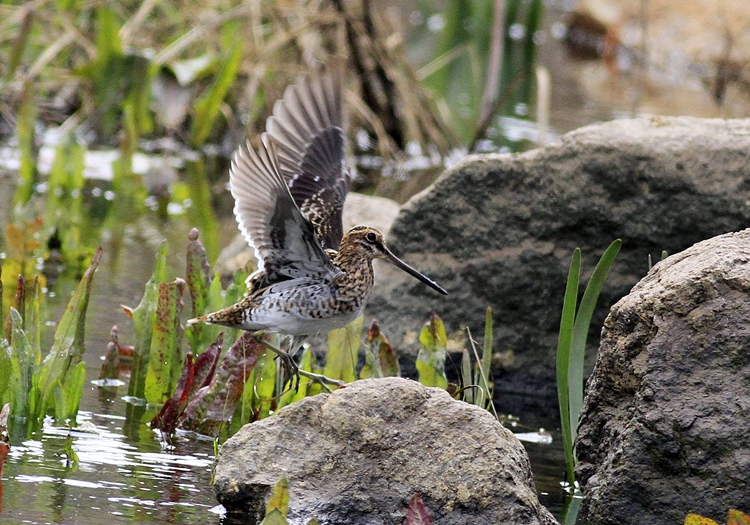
[{"x": 289, "y": 195}]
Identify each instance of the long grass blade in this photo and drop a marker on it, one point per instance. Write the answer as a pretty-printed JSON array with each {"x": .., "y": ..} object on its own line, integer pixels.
[
  {"x": 485, "y": 362},
  {"x": 581, "y": 330},
  {"x": 567, "y": 321},
  {"x": 207, "y": 109}
]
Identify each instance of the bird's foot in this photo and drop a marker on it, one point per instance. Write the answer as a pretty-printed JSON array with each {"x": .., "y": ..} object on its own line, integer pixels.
[
  {"x": 322, "y": 380},
  {"x": 291, "y": 369}
]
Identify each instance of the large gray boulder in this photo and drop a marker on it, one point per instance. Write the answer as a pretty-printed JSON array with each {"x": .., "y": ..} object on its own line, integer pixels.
[
  {"x": 500, "y": 230},
  {"x": 358, "y": 455},
  {"x": 664, "y": 428}
]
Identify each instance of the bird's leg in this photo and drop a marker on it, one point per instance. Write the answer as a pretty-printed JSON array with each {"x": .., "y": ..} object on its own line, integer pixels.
[{"x": 289, "y": 365}]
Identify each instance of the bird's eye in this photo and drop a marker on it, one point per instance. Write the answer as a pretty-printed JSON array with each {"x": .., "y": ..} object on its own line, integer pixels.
[{"x": 371, "y": 237}]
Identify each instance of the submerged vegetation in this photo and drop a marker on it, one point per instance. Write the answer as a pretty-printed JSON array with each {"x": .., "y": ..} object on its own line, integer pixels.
[{"x": 35, "y": 387}]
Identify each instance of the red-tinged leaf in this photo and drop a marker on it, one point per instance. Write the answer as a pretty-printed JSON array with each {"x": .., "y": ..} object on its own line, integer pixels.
[
  {"x": 205, "y": 365},
  {"x": 417, "y": 513},
  {"x": 128, "y": 311},
  {"x": 737, "y": 517},
  {"x": 697, "y": 519},
  {"x": 166, "y": 419},
  {"x": 380, "y": 359},
  {"x": 373, "y": 332},
  {"x": 214, "y": 404},
  {"x": 388, "y": 360},
  {"x": 197, "y": 273},
  {"x": 126, "y": 352}
]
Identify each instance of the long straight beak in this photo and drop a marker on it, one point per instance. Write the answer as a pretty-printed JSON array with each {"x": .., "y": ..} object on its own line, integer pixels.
[{"x": 411, "y": 271}]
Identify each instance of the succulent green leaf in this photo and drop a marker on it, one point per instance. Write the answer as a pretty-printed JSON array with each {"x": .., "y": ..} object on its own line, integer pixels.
[
  {"x": 280, "y": 498},
  {"x": 431, "y": 357},
  {"x": 343, "y": 348},
  {"x": 164, "y": 355},
  {"x": 144, "y": 319},
  {"x": 68, "y": 345}
]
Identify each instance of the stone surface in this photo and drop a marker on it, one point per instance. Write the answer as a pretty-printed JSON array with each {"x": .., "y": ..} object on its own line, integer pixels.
[
  {"x": 500, "y": 230},
  {"x": 358, "y": 455},
  {"x": 664, "y": 429}
]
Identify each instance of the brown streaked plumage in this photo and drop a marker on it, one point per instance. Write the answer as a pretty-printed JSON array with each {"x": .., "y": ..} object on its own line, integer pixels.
[{"x": 289, "y": 196}]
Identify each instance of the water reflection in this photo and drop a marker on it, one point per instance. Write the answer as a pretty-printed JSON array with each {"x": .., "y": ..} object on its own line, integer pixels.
[{"x": 110, "y": 480}]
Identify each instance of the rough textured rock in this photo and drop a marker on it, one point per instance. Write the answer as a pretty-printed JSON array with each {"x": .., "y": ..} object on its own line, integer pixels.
[
  {"x": 358, "y": 455},
  {"x": 500, "y": 230},
  {"x": 664, "y": 430}
]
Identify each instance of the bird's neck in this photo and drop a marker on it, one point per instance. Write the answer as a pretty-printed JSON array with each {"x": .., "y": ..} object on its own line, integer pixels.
[
  {"x": 356, "y": 266},
  {"x": 348, "y": 259}
]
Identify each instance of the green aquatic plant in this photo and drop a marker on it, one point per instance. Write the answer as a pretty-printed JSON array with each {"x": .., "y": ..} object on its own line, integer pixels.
[
  {"x": 380, "y": 358},
  {"x": 431, "y": 357},
  {"x": 343, "y": 349},
  {"x": 36, "y": 387},
  {"x": 477, "y": 387},
  {"x": 571, "y": 346},
  {"x": 277, "y": 507}
]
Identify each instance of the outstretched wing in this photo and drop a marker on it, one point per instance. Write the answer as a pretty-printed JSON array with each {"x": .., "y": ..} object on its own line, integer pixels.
[
  {"x": 307, "y": 127},
  {"x": 269, "y": 219}
]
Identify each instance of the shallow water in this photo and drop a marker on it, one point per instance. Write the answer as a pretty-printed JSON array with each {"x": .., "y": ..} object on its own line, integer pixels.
[{"x": 120, "y": 474}]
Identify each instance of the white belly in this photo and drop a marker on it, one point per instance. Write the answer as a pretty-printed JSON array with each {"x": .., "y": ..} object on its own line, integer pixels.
[{"x": 296, "y": 309}]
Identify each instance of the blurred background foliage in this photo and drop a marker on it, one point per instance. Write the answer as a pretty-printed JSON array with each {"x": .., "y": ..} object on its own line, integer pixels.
[{"x": 208, "y": 72}]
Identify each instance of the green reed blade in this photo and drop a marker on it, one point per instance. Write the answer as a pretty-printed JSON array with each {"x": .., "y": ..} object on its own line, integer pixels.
[
  {"x": 208, "y": 107},
  {"x": 567, "y": 321},
  {"x": 22, "y": 370},
  {"x": 581, "y": 330},
  {"x": 26, "y": 132},
  {"x": 484, "y": 395},
  {"x": 467, "y": 378}
]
